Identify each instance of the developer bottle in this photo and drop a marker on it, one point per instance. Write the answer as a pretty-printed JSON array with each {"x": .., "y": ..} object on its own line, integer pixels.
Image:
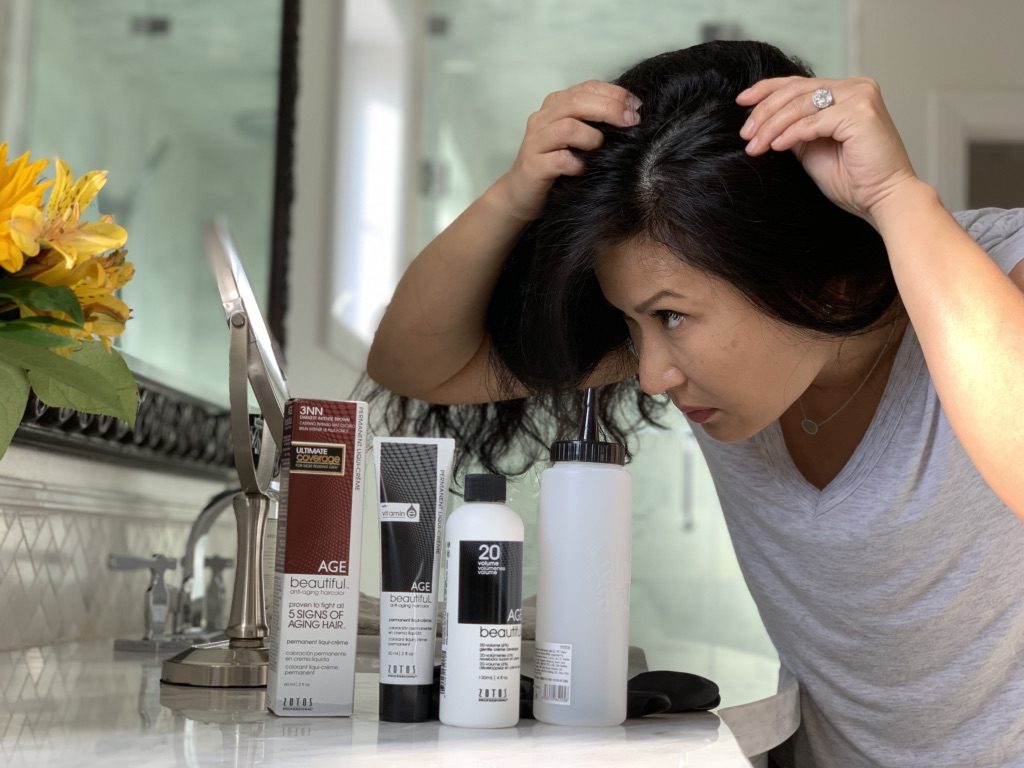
[
  {"x": 584, "y": 554},
  {"x": 482, "y": 632}
]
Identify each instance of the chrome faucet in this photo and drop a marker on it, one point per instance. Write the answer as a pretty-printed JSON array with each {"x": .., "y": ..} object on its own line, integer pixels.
[
  {"x": 159, "y": 597},
  {"x": 174, "y": 615},
  {"x": 190, "y": 608},
  {"x": 215, "y": 599}
]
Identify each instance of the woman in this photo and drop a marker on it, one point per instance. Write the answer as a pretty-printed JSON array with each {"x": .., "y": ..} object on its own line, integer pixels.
[{"x": 753, "y": 242}]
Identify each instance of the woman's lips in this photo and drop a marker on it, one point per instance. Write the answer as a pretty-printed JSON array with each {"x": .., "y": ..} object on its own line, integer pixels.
[{"x": 698, "y": 415}]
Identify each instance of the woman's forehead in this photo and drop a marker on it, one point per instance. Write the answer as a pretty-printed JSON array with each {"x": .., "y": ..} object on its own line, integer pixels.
[{"x": 645, "y": 265}]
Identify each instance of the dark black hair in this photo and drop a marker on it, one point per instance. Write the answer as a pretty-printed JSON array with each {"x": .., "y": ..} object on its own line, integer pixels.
[{"x": 680, "y": 178}]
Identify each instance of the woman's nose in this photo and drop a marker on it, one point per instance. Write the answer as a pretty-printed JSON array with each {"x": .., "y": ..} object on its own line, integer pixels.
[{"x": 657, "y": 371}]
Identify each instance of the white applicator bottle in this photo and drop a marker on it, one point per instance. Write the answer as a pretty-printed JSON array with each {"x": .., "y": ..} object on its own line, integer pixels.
[
  {"x": 480, "y": 651},
  {"x": 584, "y": 544}
]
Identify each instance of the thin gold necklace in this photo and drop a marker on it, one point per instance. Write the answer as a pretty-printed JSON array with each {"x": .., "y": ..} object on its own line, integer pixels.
[{"x": 810, "y": 426}]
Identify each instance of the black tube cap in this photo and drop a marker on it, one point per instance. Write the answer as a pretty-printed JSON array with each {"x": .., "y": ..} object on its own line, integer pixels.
[
  {"x": 587, "y": 447},
  {"x": 405, "y": 703},
  {"x": 485, "y": 488}
]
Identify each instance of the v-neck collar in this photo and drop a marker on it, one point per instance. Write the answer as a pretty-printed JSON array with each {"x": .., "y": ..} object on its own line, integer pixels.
[{"x": 906, "y": 367}]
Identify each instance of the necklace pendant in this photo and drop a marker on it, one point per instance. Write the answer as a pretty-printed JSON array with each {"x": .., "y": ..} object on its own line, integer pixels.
[{"x": 808, "y": 426}]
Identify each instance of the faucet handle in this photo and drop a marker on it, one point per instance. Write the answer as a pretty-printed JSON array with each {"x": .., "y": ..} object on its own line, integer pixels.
[
  {"x": 158, "y": 596},
  {"x": 155, "y": 563},
  {"x": 217, "y": 564}
]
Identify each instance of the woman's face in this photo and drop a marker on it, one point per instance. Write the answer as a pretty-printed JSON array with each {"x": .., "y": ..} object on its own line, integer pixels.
[{"x": 726, "y": 365}]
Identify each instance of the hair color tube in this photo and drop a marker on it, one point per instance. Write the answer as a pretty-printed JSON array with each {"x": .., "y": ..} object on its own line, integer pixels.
[{"x": 412, "y": 483}]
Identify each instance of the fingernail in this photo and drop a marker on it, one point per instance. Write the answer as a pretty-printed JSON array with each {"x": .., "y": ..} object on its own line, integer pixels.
[
  {"x": 633, "y": 102},
  {"x": 747, "y": 129},
  {"x": 630, "y": 117},
  {"x": 753, "y": 144}
]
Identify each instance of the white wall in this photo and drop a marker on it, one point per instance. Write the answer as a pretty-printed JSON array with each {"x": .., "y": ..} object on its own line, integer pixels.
[
  {"x": 314, "y": 370},
  {"x": 927, "y": 51}
]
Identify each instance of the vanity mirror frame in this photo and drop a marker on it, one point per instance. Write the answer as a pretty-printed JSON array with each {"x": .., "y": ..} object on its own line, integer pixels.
[{"x": 176, "y": 430}]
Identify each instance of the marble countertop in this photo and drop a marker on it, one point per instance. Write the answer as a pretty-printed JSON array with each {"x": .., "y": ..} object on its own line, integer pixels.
[{"x": 83, "y": 704}]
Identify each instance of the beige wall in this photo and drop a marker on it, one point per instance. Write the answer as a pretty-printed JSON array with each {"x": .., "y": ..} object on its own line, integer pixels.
[{"x": 922, "y": 49}]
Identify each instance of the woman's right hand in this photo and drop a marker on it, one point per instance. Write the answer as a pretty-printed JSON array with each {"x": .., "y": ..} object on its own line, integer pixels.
[
  {"x": 553, "y": 132},
  {"x": 432, "y": 343}
]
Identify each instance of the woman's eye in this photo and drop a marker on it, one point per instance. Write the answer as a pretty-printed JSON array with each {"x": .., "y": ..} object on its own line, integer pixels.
[{"x": 670, "y": 320}]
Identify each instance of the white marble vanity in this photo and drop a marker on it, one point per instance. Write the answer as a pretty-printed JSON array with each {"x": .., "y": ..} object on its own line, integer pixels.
[{"x": 80, "y": 704}]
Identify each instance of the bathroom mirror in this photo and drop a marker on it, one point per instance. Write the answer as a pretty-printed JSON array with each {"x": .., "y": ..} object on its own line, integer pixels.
[
  {"x": 190, "y": 107},
  {"x": 182, "y": 103}
]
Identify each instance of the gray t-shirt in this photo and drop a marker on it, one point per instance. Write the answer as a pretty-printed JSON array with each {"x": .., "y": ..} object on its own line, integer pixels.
[{"x": 895, "y": 595}]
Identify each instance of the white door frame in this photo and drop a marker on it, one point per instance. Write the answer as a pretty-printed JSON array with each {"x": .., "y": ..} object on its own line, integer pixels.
[{"x": 955, "y": 119}]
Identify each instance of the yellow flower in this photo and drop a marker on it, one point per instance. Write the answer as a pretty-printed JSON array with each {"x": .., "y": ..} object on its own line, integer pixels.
[
  {"x": 60, "y": 228},
  {"x": 54, "y": 246},
  {"x": 94, "y": 282},
  {"x": 21, "y": 191}
]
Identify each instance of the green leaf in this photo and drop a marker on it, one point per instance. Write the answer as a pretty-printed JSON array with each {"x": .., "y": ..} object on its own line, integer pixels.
[
  {"x": 44, "y": 320},
  {"x": 42, "y": 297},
  {"x": 13, "y": 397},
  {"x": 91, "y": 379},
  {"x": 27, "y": 333},
  {"x": 115, "y": 371}
]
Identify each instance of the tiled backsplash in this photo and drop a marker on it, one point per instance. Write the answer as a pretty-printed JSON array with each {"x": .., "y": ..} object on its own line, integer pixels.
[{"x": 60, "y": 519}]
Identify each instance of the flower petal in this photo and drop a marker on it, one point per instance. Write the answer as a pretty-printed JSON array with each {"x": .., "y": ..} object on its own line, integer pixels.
[
  {"x": 110, "y": 308},
  {"x": 26, "y": 228},
  {"x": 86, "y": 188},
  {"x": 67, "y": 254},
  {"x": 50, "y": 268},
  {"x": 86, "y": 240},
  {"x": 59, "y": 194},
  {"x": 11, "y": 257}
]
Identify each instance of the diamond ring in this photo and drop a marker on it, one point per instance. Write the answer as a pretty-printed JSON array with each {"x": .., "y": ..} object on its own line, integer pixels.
[{"x": 822, "y": 98}]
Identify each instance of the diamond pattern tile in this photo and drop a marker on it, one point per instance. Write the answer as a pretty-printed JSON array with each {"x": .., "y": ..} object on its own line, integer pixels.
[{"x": 54, "y": 582}]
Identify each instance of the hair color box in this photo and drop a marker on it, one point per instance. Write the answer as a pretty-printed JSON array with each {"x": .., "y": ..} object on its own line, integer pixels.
[{"x": 316, "y": 589}]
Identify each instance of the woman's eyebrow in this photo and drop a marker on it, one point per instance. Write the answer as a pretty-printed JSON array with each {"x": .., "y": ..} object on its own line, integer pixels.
[{"x": 643, "y": 306}]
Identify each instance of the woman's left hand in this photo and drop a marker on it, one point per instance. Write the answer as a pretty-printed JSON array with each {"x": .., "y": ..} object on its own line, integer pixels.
[{"x": 851, "y": 149}]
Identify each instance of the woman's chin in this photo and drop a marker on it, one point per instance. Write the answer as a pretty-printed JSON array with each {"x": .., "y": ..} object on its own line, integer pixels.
[{"x": 719, "y": 426}]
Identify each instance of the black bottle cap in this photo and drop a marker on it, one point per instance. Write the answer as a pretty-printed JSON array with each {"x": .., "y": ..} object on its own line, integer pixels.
[
  {"x": 405, "y": 703},
  {"x": 588, "y": 447},
  {"x": 584, "y": 450},
  {"x": 485, "y": 488}
]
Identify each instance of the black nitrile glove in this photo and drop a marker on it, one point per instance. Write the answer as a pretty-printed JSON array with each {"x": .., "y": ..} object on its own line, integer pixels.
[
  {"x": 686, "y": 692},
  {"x": 648, "y": 693}
]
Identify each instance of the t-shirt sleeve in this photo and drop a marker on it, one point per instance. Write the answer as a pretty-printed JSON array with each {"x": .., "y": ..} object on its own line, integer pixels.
[{"x": 999, "y": 231}]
